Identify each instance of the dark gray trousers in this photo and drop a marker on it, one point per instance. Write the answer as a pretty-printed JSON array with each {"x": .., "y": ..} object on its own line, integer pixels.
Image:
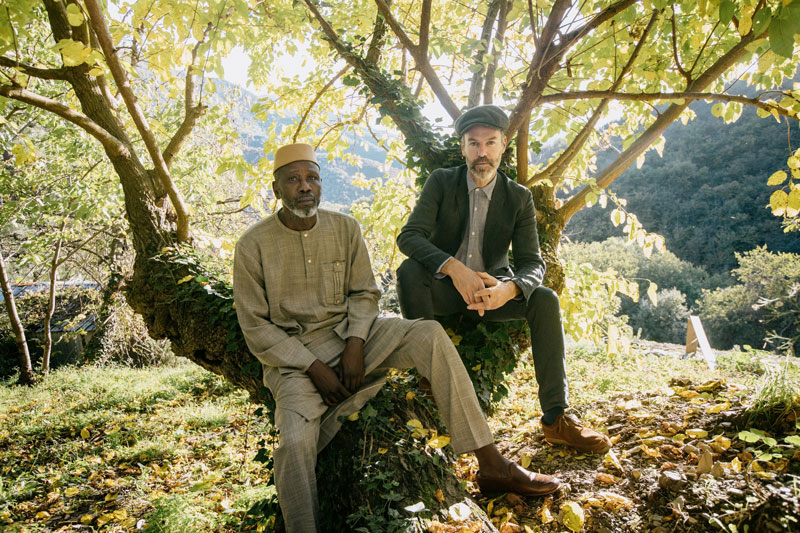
[{"x": 422, "y": 295}]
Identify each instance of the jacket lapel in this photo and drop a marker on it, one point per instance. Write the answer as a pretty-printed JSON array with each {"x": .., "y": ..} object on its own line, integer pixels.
[
  {"x": 494, "y": 215},
  {"x": 462, "y": 205}
]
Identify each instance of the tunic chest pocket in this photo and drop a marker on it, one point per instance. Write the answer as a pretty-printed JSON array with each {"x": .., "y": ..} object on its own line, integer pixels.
[{"x": 333, "y": 274}]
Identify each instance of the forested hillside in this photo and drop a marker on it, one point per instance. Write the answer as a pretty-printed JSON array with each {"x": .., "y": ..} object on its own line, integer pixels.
[{"x": 707, "y": 195}]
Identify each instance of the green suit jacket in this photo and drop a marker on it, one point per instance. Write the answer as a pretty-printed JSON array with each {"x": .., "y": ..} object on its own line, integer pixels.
[{"x": 436, "y": 227}]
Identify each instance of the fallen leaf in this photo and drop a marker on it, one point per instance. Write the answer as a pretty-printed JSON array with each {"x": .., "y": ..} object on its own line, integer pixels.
[
  {"x": 544, "y": 513},
  {"x": 525, "y": 460},
  {"x": 718, "y": 408},
  {"x": 607, "y": 479},
  {"x": 85, "y": 433},
  {"x": 610, "y": 458},
  {"x": 72, "y": 491},
  {"x": 459, "y": 512},
  {"x": 572, "y": 516},
  {"x": 439, "y": 495},
  {"x": 697, "y": 433},
  {"x": 705, "y": 463}
]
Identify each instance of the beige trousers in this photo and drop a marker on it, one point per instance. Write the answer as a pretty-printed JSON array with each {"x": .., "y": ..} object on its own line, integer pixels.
[{"x": 424, "y": 346}]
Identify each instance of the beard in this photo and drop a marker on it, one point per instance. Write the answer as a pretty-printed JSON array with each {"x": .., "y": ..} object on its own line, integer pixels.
[
  {"x": 301, "y": 212},
  {"x": 483, "y": 172}
]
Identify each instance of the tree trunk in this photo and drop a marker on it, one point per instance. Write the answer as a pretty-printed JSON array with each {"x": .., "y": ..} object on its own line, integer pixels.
[
  {"x": 25, "y": 368},
  {"x": 51, "y": 307}
]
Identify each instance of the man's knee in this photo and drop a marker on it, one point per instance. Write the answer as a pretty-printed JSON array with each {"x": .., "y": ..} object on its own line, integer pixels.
[
  {"x": 544, "y": 301},
  {"x": 410, "y": 273}
]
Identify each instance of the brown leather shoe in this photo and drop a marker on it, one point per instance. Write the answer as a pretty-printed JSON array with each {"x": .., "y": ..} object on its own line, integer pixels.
[
  {"x": 568, "y": 430},
  {"x": 519, "y": 481}
]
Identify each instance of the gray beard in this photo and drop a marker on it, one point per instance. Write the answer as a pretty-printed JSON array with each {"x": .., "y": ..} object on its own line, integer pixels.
[{"x": 301, "y": 213}]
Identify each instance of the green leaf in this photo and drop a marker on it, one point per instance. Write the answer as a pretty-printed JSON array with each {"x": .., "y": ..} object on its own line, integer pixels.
[
  {"x": 761, "y": 20},
  {"x": 717, "y": 109},
  {"x": 794, "y": 440},
  {"x": 749, "y": 436},
  {"x": 726, "y": 9},
  {"x": 74, "y": 15},
  {"x": 781, "y": 35},
  {"x": 777, "y": 178}
]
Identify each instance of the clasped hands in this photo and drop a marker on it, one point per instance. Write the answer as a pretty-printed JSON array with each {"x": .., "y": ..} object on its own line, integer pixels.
[
  {"x": 481, "y": 291},
  {"x": 336, "y": 384}
]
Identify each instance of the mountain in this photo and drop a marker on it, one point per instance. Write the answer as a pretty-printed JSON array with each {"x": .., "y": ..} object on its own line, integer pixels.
[
  {"x": 337, "y": 174},
  {"x": 707, "y": 195}
]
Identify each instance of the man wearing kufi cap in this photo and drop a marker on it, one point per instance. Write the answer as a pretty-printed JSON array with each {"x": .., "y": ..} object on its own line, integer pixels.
[
  {"x": 457, "y": 240},
  {"x": 307, "y": 304}
]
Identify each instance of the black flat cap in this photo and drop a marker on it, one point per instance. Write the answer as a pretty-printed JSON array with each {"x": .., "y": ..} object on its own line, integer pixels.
[{"x": 490, "y": 116}]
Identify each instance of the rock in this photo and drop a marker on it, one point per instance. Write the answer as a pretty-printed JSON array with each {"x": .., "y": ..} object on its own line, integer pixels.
[{"x": 671, "y": 480}]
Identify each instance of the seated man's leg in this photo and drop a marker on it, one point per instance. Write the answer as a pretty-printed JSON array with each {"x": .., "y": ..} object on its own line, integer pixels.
[
  {"x": 426, "y": 347},
  {"x": 422, "y": 295},
  {"x": 295, "y": 478},
  {"x": 550, "y": 363},
  {"x": 543, "y": 314}
]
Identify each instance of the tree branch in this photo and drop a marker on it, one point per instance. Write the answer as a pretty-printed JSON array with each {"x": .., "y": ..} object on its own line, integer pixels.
[
  {"x": 35, "y": 72},
  {"x": 421, "y": 58},
  {"x": 556, "y": 169},
  {"x": 486, "y": 34},
  {"x": 97, "y": 20},
  {"x": 680, "y": 68},
  {"x": 627, "y": 157},
  {"x": 650, "y": 97},
  {"x": 424, "y": 27},
  {"x": 192, "y": 114},
  {"x": 499, "y": 36},
  {"x": 109, "y": 142},
  {"x": 522, "y": 152},
  {"x": 316, "y": 99}
]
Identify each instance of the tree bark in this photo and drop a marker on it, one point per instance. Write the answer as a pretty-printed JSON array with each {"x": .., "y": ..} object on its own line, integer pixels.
[
  {"x": 25, "y": 368},
  {"x": 51, "y": 307}
]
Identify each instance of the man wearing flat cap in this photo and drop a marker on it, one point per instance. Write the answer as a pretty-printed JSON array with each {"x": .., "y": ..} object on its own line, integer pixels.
[
  {"x": 307, "y": 303},
  {"x": 457, "y": 240}
]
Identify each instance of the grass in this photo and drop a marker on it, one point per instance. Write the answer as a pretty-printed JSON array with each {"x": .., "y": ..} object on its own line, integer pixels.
[
  {"x": 108, "y": 447},
  {"x": 171, "y": 449}
]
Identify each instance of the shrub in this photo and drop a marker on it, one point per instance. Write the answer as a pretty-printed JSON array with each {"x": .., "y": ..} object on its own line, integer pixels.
[
  {"x": 762, "y": 309},
  {"x": 665, "y": 322}
]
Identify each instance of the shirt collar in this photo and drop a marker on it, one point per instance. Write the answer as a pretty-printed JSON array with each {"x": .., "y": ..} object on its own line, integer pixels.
[{"x": 488, "y": 189}]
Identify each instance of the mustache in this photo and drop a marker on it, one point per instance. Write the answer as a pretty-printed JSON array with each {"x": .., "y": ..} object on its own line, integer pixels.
[{"x": 482, "y": 160}]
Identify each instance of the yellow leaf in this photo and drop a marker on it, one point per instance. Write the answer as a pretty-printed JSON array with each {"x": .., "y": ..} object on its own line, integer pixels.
[
  {"x": 353, "y": 417},
  {"x": 410, "y": 395},
  {"x": 721, "y": 443},
  {"x": 544, "y": 514},
  {"x": 793, "y": 162},
  {"x": 72, "y": 491},
  {"x": 120, "y": 515},
  {"x": 74, "y": 15},
  {"x": 652, "y": 452},
  {"x": 87, "y": 519},
  {"x": 85, "y": 433},
  {"x": 185, "y": 279},
  {"x": 793, "y": 203},
  {"x": 42, "y": 515},
  {"x": 736, "y": 465},
  {"x": 572, "y": 516},
  {"x": 611, "y": 459},
  {"x": 604, "y": 478},
  {"x": 439, "y": 441},
  {"x": 439, "y": 495},
  {"x": 688, "y": 394},
  {"x": 777, "y": 178},
  {"x": 525, "y": 460},
  {"x": 778, "y": 201},
  {"x": 697, "y": 433},
  {"x": 383, "y": 450},
  {"x": 104, "y": 519},
  {"x": 746, "y": 20},
  {"x": 718, "y": 408},
  {"x": 95, "y": 71}
]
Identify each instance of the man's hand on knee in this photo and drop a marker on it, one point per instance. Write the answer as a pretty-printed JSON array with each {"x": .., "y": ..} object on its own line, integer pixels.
[
  {"x": 327, "y": 383},
  {"x": 351, "y": 368},
  {"x": 466, "y": 281},
  {"x": 495, "y": 295}
]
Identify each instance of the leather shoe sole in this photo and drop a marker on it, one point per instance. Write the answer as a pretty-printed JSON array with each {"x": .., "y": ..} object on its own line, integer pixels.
[{"x": 518, "y": 481}]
